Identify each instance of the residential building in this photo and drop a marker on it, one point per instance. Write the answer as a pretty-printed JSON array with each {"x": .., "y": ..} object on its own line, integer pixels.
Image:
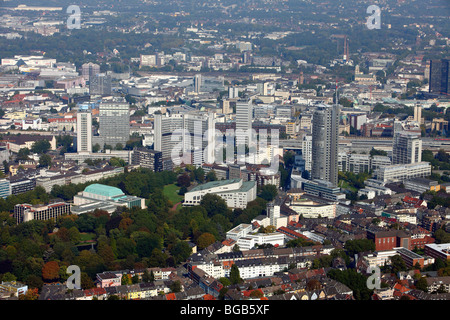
[
  {"x": 20, "y": 184},
  {"x": 12, "y": 288},
  {"x": 147, "y": 158},
  {"x": 28, "y": 212},
  {"x": 435, "y": 284},
  {"x": 84, "y": 131},
  {"x": 108, "y": 279},
  {"x": 403, "y": 172},
  {"x": 16, "y": 142}
]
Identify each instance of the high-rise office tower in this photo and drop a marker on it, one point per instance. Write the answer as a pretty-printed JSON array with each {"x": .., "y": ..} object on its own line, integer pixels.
[
  {"x": 233, "y": 92},
  {"x": 307, "y": 152},
  {"x": 114, "y": 122},
  {"x": 100, "y": 84},
  {"x": 84, "y": 131},
  {"x": 147, "y": 158},
  {"x": 325, "y": 132},
  {"x": 418, "y": 114},
  {"x": 244, "y": 116},
  {"x": 439, "y": 82},
  {"x": 197, "y": 83},
  {"x": 407, "y": 148},
  {"x": 187, "y": 134},
  {"x": 88, "y": 70}
]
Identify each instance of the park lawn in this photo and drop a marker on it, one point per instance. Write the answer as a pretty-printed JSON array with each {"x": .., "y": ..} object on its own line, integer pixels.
[
  {"x": 345, "y": 185},
  {"x": 85, "y": 237},
  {"x": 171, "y": 191}
]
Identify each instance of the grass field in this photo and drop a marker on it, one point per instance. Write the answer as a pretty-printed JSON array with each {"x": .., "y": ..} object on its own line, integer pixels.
[
  {"x": 86, "y": 237},
  {"x": 171, "y": 191}
]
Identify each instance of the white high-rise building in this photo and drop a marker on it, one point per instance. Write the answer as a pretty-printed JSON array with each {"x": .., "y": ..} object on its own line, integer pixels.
[
  {"x": 307, "y": 152},
  {"x": 191, "y": 135},
  {"x": 84, "y": 131},
  {"x": 244, "y": 115},
  {"x": 407, "y": 148},
  {"x": 233, "y": 92},
  {"x": 418, "y": 114}
]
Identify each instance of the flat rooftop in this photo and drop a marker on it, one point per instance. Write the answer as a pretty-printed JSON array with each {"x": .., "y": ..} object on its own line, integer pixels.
[{"x": 214, "y": 184}]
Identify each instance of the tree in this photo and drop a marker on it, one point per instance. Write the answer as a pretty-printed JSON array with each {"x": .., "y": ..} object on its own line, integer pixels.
[
  {"x": 268, "y": 192},
  {"x": 184, "y": 180},
  {"x": 181, "y": 251},
  {"x": 50, "y": 271},
  {"x": 23, "y": 154},
  {"x": 235, "y": 276},
  {"x": 359, "y": 245},
  {"x": 117, "y": 162},
  {"x": 205, "y": 240},
  {"x": 256, "y": 294},
  {"x": 213, "y": 204},
  {"x": 96, "y": 148},
  {"x": 86, "y": 281},
  {"x": 397, "y": 264},
  {"x": 422, "y": 284},
  {"x": 175, "y": 286},
  {"x": 45, "y": 161},
  {"x": 40, "y": 146},
  {"x": 32, "y": 294},
  {"x": 211, "y": 176}
]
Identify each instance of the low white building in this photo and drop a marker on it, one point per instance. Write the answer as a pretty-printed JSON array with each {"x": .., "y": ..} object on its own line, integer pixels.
[
  {"x": 403, "y": 172},
  {"x": 312, "y": 207},
  {"x": 380, "y": 258},
  {"x": 250, "y": 241},
  {"x": 236, "y": 192}
]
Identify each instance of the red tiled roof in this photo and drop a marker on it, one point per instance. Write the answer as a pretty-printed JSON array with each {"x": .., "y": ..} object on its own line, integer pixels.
[
  {"x": 94, "y": 291},
  {"x": 170, "y": 296}
]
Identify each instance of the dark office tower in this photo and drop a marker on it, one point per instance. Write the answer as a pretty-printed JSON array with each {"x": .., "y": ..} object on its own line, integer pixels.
[
  {"x": 197, "y": 83},
  {"x": 439, "y": 77},
  {"x": 100, "y": 84},
  {"x": 325, "y": 132},
  {"x": 147, "y": 158},
  {"x": 114, "y": 121}
]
